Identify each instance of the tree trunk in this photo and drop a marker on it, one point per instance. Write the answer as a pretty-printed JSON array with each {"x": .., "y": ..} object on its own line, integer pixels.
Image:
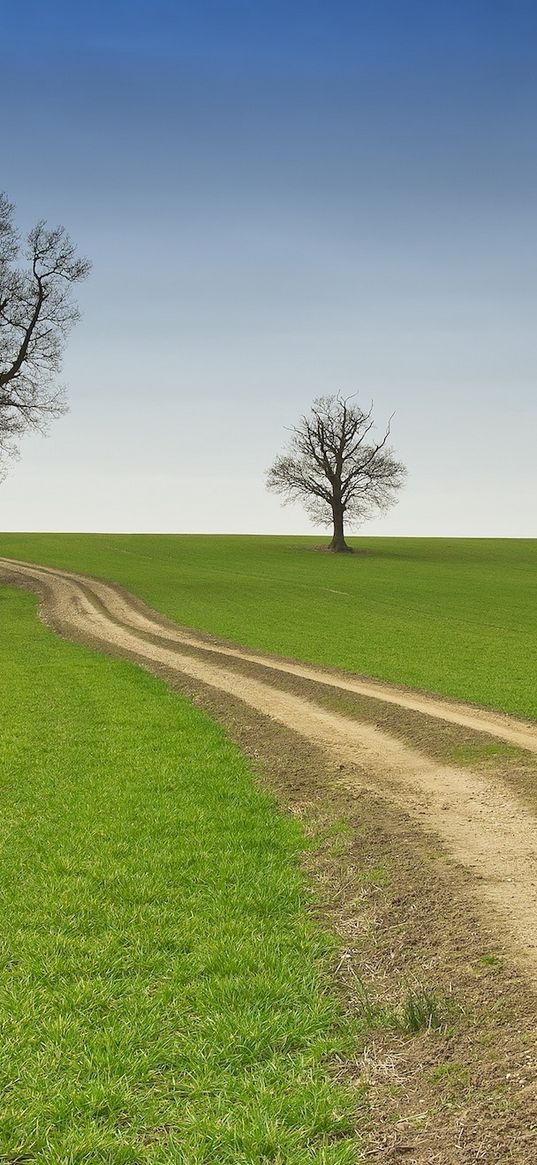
[{"x": 338, "y": 544}]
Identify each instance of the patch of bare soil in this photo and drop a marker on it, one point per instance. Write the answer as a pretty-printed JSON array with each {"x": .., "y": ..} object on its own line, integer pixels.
[{"x": 411, "y": 867}]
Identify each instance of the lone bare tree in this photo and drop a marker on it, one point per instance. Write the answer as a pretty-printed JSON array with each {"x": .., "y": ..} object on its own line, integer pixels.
[
  {"x": 336, "y": 468},
  {"x": 36, "y": 312}
]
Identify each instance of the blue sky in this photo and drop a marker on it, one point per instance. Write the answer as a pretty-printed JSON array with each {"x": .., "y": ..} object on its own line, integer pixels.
[{"x": 281, "y": 201}]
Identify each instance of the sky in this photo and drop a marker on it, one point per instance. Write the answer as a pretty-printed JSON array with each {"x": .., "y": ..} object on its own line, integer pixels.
[{"x": 280, "y": 200}]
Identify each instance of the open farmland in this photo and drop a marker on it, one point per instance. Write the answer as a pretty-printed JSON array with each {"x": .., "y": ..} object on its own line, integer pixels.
[
  {"x": 453, "y": 616},
  {"x": 268, "y": 802},
  {"x": 180, "y": 988},
  {"x": 163, "y": 991}
]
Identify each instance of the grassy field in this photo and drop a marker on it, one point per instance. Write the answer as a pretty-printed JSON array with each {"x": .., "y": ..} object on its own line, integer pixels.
[
  {"x": 164, "y": 996},
  {"x": 455, "y": 616}
]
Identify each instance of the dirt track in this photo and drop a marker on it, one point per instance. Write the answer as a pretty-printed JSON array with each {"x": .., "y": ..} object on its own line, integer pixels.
[{"x": 482, "y": 825}]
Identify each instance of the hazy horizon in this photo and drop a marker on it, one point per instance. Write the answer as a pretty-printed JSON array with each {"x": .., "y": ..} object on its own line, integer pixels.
[{"x": 281, "y": 203}]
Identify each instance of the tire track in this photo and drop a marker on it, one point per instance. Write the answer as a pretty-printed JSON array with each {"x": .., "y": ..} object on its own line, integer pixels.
[
  {"x": 129, "y": 611},
  {"x": 481, "y": 826}
]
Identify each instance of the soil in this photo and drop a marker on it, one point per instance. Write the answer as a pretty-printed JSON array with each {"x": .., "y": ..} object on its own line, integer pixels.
[{"x": 427, "y": 870}]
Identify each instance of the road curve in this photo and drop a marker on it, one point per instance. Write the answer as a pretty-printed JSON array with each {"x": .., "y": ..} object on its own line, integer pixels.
[
  {"x": 481, "y": 824},
  {"x": 133, "y": 614}
]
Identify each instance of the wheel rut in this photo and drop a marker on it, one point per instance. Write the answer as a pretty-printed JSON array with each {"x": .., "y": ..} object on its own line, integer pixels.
[{"x": 481, "y": 825}]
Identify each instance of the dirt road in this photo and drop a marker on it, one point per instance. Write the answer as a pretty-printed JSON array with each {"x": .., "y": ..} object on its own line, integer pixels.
[{"x": 482, "y": 825}]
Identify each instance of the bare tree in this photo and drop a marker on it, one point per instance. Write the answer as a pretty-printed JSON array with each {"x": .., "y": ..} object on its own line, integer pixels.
[
  {"x": 36, "y": 312},
  {"x": 336, "y": 468}
]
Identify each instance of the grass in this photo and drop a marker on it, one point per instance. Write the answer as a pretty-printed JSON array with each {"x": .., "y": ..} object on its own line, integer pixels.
[
  {"x": 454, "y": 616},
  {"x": 164, "y": 992},
  {"x": 417, "y": 1010},
  {"x": 421, "y": 1010}
]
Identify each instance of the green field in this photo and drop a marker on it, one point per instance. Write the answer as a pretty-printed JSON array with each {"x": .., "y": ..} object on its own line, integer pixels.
[
  {"x": 455, "y": 616},
  {"x": 164, "y": 994}
]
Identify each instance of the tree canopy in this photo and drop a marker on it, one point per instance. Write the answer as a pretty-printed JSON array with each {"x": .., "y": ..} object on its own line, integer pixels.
[
  {"x": 36, "y": 312},
  {"x": 336, "y": 468}
]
